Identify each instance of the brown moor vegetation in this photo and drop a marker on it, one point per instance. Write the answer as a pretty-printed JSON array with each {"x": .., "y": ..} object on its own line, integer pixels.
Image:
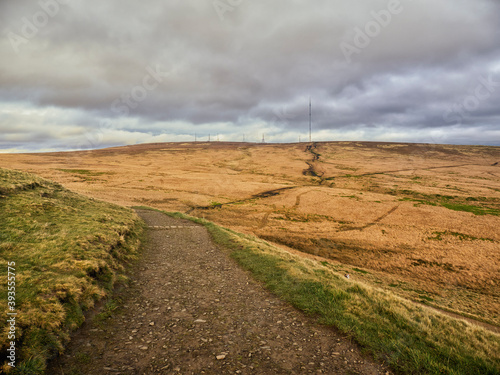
[{"x": 419, "y": 220}]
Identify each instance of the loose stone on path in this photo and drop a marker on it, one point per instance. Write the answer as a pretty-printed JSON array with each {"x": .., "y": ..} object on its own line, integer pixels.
[{"x": 191, "y": 309}]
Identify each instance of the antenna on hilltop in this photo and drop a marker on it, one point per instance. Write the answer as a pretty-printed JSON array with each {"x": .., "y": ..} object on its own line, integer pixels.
[
  {"x": 310, "y": 117},
  {"x": 209, "y": 137},
  {"x": 263, "y": 138}
]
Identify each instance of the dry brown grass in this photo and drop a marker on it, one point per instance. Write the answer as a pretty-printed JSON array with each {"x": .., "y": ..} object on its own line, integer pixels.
[{"x": 395, "y": 211}]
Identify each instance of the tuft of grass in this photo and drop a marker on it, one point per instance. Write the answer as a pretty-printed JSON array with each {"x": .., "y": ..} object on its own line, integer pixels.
[
  {"x": 360, "y": 271},
  {"x": 411, "y": 338},
  {"x": 85, "y": 172},
  {"x": 68, "y": 252},
  {"x": 461, "y": 236},
  {"x": 481, "y": 206},
  {"x": 350, "y": 196},
  {"x": 108, "y": 311},
  {"x": 476, "y": 210},
  {"x": 83, "y": 358}
]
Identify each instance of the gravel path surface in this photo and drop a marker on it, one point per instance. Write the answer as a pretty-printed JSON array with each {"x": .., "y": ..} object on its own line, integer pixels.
[{"x": 191, "y": 310}]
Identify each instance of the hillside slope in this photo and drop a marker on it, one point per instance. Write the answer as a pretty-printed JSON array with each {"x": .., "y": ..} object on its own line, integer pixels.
[
  {"x": 60, "y": 253},
  {"x": 418, "y": 220}
]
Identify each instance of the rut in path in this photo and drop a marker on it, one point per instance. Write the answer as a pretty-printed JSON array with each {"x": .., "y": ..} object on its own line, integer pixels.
[{"x": 189, "y": 304}]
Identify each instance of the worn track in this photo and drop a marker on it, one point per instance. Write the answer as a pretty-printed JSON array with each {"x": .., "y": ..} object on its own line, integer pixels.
[{"x": 189, "y": 304}]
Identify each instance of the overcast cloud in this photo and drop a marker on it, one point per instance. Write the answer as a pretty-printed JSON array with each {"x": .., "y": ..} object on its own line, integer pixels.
[{"x": 85, "y": 74}]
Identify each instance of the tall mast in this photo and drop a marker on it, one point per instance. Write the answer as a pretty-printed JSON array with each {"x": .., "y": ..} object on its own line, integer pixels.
[{"x": 310, "y": 117}]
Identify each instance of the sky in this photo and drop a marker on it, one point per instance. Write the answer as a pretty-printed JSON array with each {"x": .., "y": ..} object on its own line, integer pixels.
[{"x": 90, "y": 74}]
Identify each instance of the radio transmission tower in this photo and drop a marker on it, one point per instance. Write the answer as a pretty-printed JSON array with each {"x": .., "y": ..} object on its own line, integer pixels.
[{"x": 310, "y": 122}]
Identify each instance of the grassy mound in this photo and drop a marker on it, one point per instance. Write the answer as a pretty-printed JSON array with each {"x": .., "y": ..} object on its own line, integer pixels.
[
  {"x": 65, "y": 252},
  {"x": 412, "y": 338}
]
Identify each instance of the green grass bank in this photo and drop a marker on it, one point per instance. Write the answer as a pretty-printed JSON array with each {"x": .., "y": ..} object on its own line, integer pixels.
[
  {"x": 412, "y": 339},
  {"x": 65, "y": 252}
]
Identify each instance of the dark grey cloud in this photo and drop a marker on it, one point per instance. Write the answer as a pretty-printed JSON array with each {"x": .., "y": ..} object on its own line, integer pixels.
[{"x": 120, "y": 72}]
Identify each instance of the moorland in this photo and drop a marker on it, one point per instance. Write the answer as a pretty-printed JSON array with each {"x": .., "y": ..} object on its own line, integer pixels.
[{"x": 418, "y": 220}]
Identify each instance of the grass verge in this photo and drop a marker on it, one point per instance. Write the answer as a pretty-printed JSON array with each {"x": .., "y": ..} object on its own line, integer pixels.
[
  {"x": 411, "y": 338},
  {"x": 66, "y": 251}
]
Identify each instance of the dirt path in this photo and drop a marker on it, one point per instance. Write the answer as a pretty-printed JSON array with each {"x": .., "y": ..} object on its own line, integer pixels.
[{"x": 191, "y": 310}]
